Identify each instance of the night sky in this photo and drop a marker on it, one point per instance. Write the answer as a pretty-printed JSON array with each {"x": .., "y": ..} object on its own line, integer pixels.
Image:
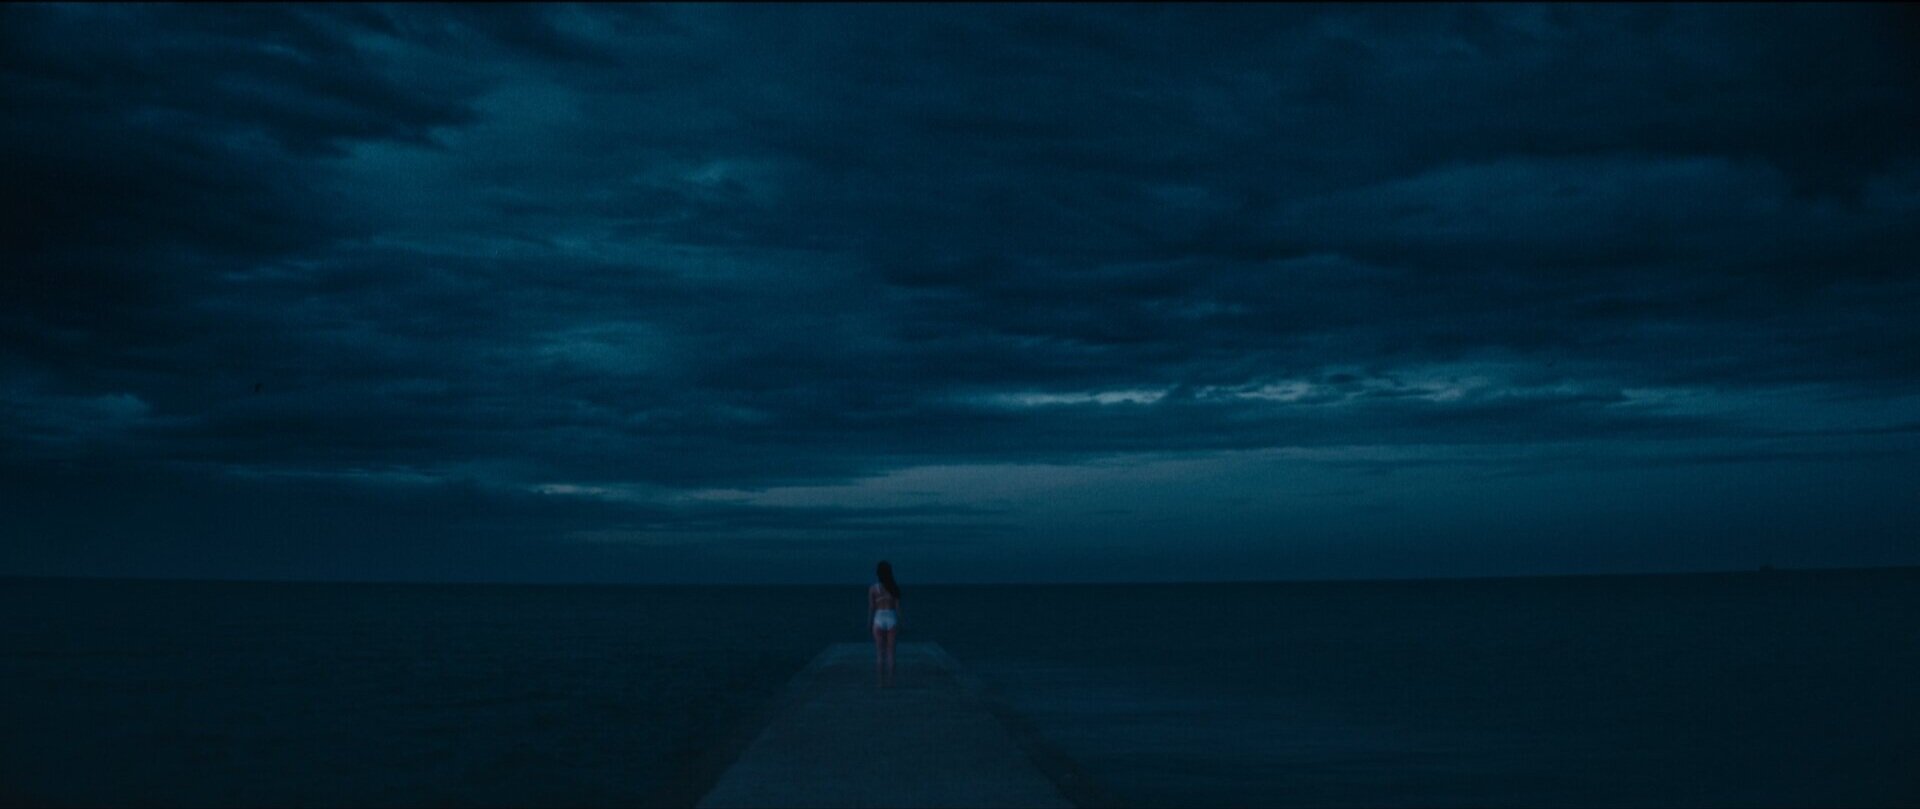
[{"x": 764, "y": 294}]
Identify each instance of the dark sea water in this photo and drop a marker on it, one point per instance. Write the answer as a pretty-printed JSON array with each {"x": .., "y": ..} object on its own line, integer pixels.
[{"x": 1784, "y": 689}]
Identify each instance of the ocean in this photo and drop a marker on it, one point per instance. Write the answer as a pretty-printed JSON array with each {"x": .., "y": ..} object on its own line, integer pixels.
[{"x": 1738, "y": 690}]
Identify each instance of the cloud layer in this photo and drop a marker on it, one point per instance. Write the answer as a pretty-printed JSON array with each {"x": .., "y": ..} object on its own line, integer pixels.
[{"x": 666, "y": 293}]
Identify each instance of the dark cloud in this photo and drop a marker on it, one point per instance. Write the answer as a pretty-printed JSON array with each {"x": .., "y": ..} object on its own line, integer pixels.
[{"x": 601, "y": 266}]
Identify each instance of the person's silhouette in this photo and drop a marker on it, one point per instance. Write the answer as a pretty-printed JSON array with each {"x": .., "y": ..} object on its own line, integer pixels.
[{"x": 883, "y": 615}]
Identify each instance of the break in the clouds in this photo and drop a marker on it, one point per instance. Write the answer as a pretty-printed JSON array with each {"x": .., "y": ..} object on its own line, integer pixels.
[{"x": 670, "y": 293}]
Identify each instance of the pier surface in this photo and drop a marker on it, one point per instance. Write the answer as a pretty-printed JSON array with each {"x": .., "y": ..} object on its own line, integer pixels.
[{"x": 933, "y": 739}]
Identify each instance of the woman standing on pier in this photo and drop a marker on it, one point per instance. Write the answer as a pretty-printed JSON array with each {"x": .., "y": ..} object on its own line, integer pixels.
[{"x": 883, "y": 614}]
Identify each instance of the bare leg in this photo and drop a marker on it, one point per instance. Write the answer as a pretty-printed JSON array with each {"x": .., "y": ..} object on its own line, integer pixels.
[
  {"x": 892, "y": 635},
  {"x": 880, "y": 656}
]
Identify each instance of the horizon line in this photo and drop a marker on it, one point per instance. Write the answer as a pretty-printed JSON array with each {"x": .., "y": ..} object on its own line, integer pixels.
[{"x": 1760, "y": 569}]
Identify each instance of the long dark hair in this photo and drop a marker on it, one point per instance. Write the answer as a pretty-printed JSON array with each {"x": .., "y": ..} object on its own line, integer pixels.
[{"x": 885, "y": 572}]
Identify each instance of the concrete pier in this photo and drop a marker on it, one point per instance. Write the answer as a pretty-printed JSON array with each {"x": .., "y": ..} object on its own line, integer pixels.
[{"x": 936, "y": 738}]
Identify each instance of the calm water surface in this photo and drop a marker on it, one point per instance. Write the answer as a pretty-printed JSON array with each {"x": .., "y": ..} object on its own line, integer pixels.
[{"x": 1787, "y": 689}]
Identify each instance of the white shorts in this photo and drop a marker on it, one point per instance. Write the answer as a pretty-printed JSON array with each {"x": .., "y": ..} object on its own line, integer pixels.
[{"x": 884, "y": 619}]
